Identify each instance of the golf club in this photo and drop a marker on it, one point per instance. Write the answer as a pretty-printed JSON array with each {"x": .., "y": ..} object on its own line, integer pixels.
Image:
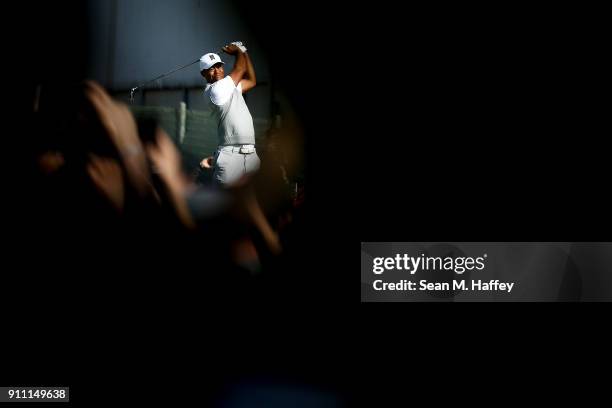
[
  {"x": 171, "y": 72},
  {"x": 159, "y": 77}
]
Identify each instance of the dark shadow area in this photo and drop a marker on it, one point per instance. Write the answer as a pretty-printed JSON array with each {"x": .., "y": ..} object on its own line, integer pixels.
[
  {"x": 416, "y": 127},
  {"x": 132, "y": 297}
]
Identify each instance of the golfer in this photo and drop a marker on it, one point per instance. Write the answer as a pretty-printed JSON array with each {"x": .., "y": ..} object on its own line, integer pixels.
[{"x": 235, "y": 156}]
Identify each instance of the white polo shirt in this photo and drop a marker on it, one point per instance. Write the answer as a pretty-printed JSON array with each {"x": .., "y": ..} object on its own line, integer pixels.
[{"x": 235, "y": 124}]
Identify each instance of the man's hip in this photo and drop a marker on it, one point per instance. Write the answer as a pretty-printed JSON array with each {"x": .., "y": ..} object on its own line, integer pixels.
[{"x": 234, "y": 162}]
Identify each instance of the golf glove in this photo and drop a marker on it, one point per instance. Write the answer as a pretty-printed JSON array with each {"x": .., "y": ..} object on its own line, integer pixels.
[{"x": 239, "y": 45}]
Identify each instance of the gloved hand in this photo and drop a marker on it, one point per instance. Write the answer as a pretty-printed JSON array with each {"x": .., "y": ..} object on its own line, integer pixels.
[{"x": 240, "y": 45}]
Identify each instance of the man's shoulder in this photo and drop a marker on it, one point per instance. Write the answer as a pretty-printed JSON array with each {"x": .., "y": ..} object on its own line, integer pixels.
[
  {"x": 221, "y": 91},
  {"x": 227, "y": 81}
]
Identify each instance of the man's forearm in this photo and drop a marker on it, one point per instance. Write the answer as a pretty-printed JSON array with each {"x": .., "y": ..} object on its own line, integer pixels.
[
  {"x": 250, "y": 71},
  {"x": 178, "y": 188},
  {"x": 241, "y": 63}
]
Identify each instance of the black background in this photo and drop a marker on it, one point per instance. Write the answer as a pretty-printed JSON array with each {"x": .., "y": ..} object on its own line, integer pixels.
[{"x": 439, "y": 123}]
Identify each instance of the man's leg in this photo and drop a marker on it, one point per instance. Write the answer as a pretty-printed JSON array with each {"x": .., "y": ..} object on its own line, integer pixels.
[
  {"x": 252, "y": 163},
  {"x": 218, "y": 171},
  {"x": 229, "y": 168}
]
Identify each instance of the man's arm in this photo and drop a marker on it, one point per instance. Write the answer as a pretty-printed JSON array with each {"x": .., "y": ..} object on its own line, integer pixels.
[
  {"x": 166, "y": 158},
  {"x": 249, "y": 80},
  {"x": 240, "y": 67}
]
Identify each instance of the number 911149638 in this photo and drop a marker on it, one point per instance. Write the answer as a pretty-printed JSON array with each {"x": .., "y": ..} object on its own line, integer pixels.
[{"x": 36, "y": 394}]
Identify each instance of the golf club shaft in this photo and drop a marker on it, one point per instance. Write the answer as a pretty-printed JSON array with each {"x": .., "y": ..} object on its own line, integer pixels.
[{"x": 160, "y": 77}]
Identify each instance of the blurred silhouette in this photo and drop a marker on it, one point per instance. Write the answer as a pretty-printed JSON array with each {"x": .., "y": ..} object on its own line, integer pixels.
[{"x": 112, "y": 186}]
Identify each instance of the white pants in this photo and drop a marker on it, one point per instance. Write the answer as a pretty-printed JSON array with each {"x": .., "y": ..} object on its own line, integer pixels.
[{"x": 231, "y": 165}]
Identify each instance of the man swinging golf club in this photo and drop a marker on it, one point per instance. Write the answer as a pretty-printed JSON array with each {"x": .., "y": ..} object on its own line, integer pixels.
[{"x": 235, "y": 156}]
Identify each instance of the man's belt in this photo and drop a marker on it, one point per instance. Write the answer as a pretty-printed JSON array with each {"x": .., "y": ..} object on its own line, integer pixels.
[{"x": 244, "y": 149}]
